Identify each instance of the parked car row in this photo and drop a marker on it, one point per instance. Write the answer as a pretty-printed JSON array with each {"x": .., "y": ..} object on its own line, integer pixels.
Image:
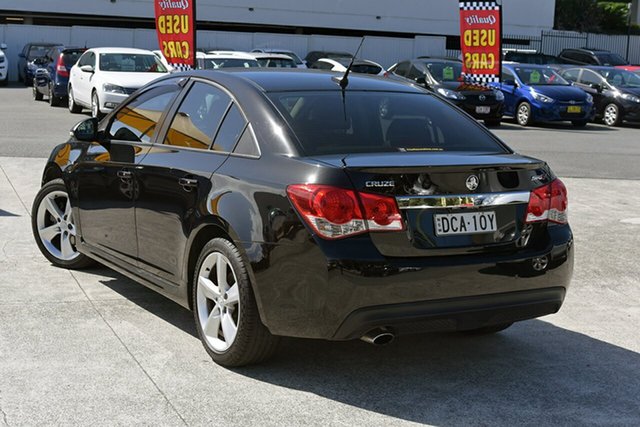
[{"x": 4, "y": 66}]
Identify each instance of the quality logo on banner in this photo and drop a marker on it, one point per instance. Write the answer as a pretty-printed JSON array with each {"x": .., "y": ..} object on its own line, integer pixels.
[
  {"x": 175, "y": 26},
  {"x": 481, "y": 41}
]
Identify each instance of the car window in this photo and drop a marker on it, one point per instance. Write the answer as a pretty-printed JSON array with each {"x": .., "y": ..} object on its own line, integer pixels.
[
  {"x": 571, "y": 75},
  {"x": 137, "y": 121},
  {"x": 277, "y": 63},
  {"x": 215, "y": 63},
  {"x": 445, "y": 71},
  {"x": 402, "y": 69},
  {"x": 131, "y": 63},
  {"x": 71, "y": 57},
  {"x": 198, "y": 118},
  {"x": 368, "y": 122},
  {"x": 232, "y": 126},
  {"x": 508, "y": 75},
  {"x": 247, "y": 145},
  {"x": 37, "y": 52},
  {"x": 621, "y": 78},
  {"x": 89, "y": 58},
  {"x": 414, "y": 73},
  {"x": 539, "y": 76},
  {"x": 589, "y": 77},
  {"x": 587, "y": 59},
  {"x": 611, "y": 59},
  {"x": 321, "y": 65}
]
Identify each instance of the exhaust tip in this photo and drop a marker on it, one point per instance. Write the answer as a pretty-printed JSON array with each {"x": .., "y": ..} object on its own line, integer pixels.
[{"x": 378, "y": 336}]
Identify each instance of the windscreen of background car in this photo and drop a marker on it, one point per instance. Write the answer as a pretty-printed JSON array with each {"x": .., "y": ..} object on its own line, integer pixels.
[
  {"x": 212, "y": 64},
  {"x": 540, "y": 77},
  {"x": 277, "y": 63},
  {"x": 131, "y": 63},
  {"x": 621, "y": 78},
  {"x": 71, "y": 57},
  {"x": 445, "y": 71},
  {"x": 37, "y": 52},
  {"x": 372, "y": 122},
  {"x": 611, "y": 59}
]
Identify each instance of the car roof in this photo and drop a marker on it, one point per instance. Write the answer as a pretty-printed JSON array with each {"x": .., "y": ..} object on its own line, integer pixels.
[
  {"x": 282, "y": 80},
  {"x": 120, "y": 50},
  {"x": 259, "y": 55}
]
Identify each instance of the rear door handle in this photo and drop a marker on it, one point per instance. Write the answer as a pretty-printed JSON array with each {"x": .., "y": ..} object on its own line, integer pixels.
[{"x": 188, "y": 184}]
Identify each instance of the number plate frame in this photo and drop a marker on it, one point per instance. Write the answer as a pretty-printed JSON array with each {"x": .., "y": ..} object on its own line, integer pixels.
[{"x": 461, "y": 224}]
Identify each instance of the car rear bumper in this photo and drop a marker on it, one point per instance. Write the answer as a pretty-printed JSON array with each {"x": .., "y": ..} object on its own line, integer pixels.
[{"x": 302, "y": 293}]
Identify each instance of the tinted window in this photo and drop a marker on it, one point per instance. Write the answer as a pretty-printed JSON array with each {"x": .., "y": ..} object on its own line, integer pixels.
[
  {"x": 508, "y": 75},
  {"x": 414, "y": 73},
  {"x": 589, "y": 77},
  {"x": 366, "y": 69},
  {"x": 621, "y": 78},
  {"x": 70, "y": 57},
  {"x": 321, "y": 65},
  {"x": 379, "y": 122},
  {"x": 612, "y": 59},
  {"x": 131, "y": 63},
  {"x": 277, "y": 63},
  {"x": 247, "y": 144},
  {"x": 199, "y": 117},
  {"x": 571, "y": 75},
  {"x": 445, "y": 71},
  {"x": 88, "y": 58},
  {"x": 137, "y": 121},
  {"x": 232, "y": 126},
  {"x": 402, "y": 69}
]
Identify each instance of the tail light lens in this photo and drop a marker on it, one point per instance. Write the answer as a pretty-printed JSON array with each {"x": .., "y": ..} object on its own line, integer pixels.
[
  {"x": 335, "y": 213},
  {"x": 61, "y": 69},
  {"x": 548, "y": 203}
]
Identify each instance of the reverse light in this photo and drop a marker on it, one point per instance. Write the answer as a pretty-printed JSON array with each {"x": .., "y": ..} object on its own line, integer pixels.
[
  {"x": 548, "y": 203},
  {"x": 335, "y": 213},
  {"x": 61, "y": 69}
]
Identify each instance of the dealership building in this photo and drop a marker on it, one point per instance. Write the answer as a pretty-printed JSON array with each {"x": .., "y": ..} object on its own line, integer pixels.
[{"x": 393, "y": 30}]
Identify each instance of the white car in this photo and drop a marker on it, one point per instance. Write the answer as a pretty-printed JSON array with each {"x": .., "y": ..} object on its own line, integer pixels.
[
  {"x": 4, "y": 66},
  {"x": 274, "y": 60},
  {"x": 291, "y": 54},
  {"x": 104, "y": 77},
  {"x": 361, "y": 66},
  {"x": 226, "y": 59}
]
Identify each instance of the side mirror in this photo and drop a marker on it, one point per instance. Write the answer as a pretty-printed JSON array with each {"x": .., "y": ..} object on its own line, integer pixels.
[
  {"x": 87, "y": 68},
  {"x": 86, "y": 130}
]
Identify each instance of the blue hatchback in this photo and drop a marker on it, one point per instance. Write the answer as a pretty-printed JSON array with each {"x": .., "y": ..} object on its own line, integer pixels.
[{"x": 536, "y": 93}]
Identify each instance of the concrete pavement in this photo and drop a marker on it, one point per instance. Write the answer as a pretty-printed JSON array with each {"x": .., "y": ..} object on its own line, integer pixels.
[{"x": 92, "y": 347}]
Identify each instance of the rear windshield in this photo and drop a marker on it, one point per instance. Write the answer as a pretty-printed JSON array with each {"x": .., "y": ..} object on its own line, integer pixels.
[
  {"x": 373, "y": 122},
  {"x": 71, "y": 57}
]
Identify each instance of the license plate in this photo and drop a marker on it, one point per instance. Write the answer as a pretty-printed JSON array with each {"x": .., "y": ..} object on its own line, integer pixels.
[
  {"x": 483, "y": 110},
  {"x": 465, "y": 223},
  {"x": 574, "y": 109}
]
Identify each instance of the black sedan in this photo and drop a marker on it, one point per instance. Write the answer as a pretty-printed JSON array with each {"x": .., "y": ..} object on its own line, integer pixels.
[
  {"x": 287, "y": 203},
  {"x": 444, "y": 77}
]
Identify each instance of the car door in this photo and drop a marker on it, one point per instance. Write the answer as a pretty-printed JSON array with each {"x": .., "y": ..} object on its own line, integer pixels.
[
  {"x": 175, "y": 176},
  {"x": 105, "y": 181},
  {"x": 82, "y": 80},
  {"x": 509, "y": 88},
  {"x": 594, "y": 84}
]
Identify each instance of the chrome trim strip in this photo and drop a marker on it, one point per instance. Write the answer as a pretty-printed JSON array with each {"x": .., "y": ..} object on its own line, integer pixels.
[{"x": 460, "y": 201}]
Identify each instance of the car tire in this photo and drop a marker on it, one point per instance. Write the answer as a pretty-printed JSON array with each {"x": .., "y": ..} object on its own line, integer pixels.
[
  {"x": 95, "y": 106},
  {"x": 225, "y": 310},
  {"x": 73, "y": 107},
  {"x": 53, "y": 227},
  {"x": 524, "y": 115},
  {"x": 37, "y": 96},
  {"x": 54, "y": 101},
  {"x": 4, "y": 82},
  {"x": 579, "y": 123},
  {"x": 492, "y": 329},
  {"x": 611, "y": 115},
  {"x": 493, "y": 122}
]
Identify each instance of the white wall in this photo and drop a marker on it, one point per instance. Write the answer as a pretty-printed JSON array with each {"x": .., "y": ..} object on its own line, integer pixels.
[{"x": 525, "y": 17}]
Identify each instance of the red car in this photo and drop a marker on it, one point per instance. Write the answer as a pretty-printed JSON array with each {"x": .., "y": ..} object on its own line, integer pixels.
[{"x": 632, "y": 68}]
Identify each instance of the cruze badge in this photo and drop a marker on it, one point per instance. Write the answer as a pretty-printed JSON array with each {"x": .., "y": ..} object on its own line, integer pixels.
[
  {"x": 472, "y": 182},
  {"x": 379, "y": 184}
]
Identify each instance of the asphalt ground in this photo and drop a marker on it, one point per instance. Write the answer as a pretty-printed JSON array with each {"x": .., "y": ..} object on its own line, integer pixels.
[{"x": 94, "y": 348}]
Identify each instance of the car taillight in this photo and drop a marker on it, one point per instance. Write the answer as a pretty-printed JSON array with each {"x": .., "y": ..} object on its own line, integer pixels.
[
  {"x": 61, "y": 69},
  {"x": 548, "y": 203},
  {"x": 335, "y": 213}
]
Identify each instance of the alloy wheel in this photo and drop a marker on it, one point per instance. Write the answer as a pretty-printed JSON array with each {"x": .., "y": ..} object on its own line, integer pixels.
[
  {"x": 524, "y": 113},
  {"x": 56, "y": 227},
  {"x": 218, "y": 302},
  {"x": 611, "y": 115},
  {"x": 95, "y": 106}
]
